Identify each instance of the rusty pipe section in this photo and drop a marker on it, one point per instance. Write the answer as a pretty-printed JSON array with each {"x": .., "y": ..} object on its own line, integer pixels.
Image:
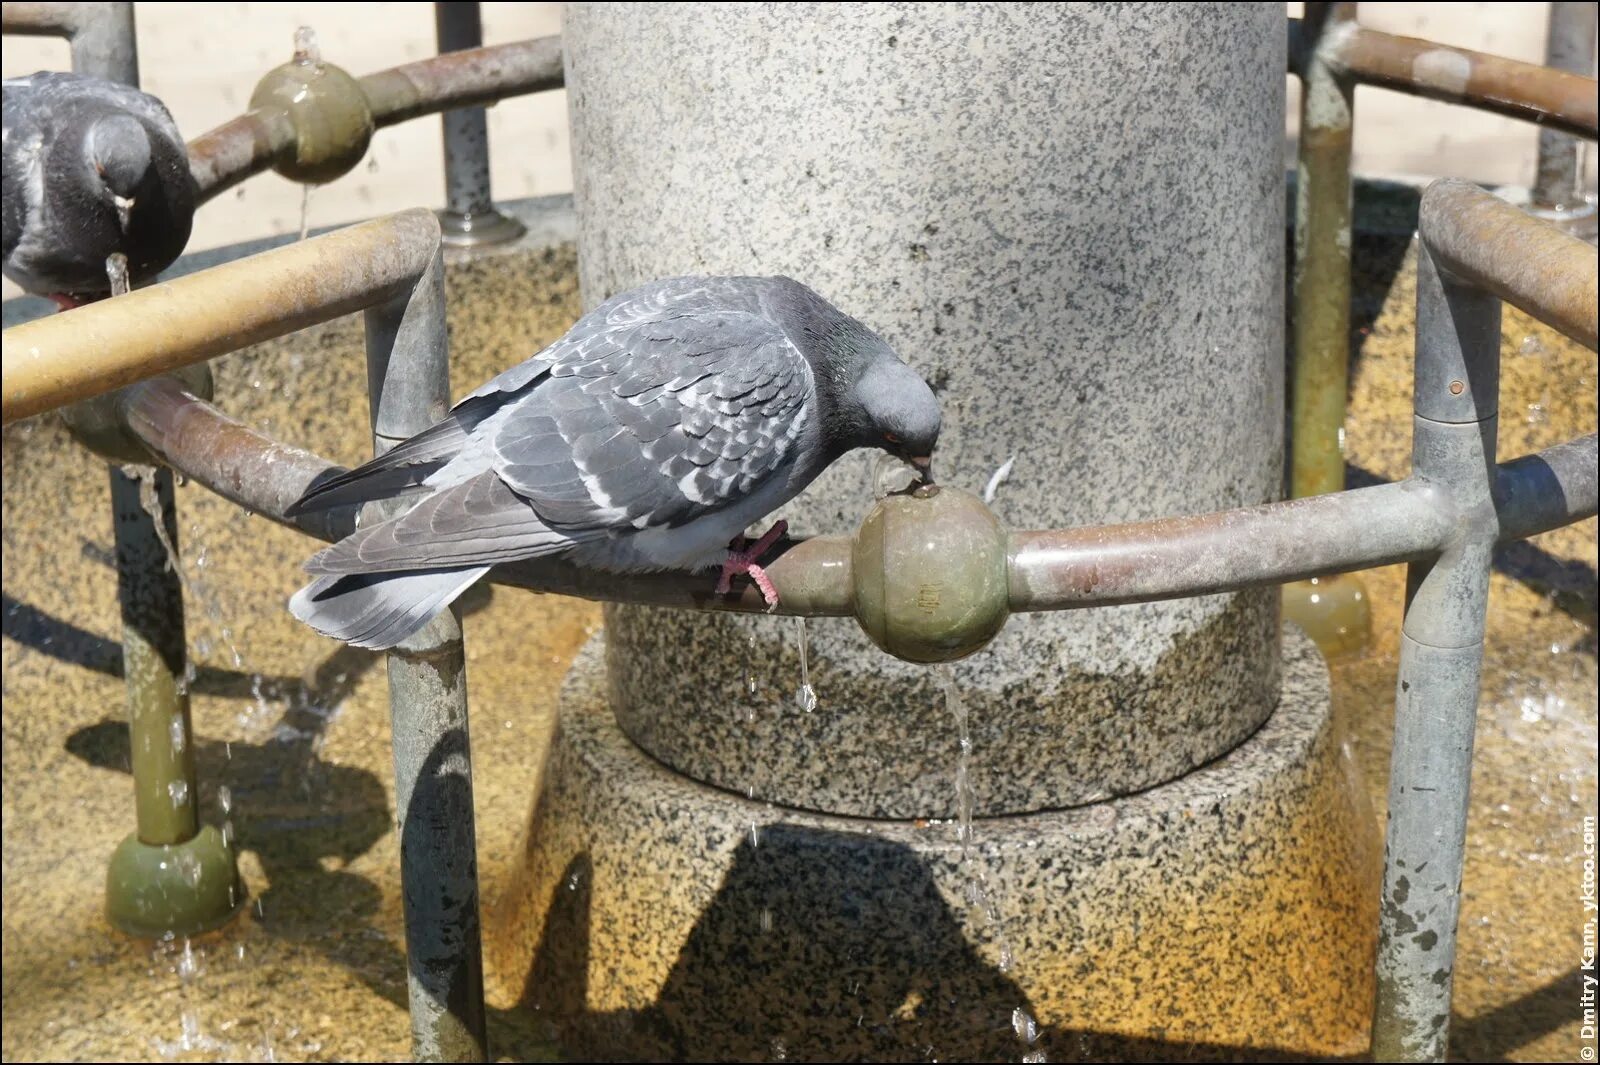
[
  {"x": 264, "y": 476},
  {"x": 470, "y": 78},
  {"x": 1554, "y": 98},
  {"x": 1052, "y": 570},
  {"x": 254, "y": 141},
  {"x": 103, "y": 346},
  {"x": 1518, "y": 257}
]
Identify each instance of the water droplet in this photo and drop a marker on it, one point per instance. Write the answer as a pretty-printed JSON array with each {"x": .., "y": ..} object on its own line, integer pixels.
[
  {"x": 117, "y": 273},
  {"x": 178, "y": 734},
  {"x": 807, "y": 695},
  {"x": 178, "y": 791},
  {"x": 1024, "y": 1025}
]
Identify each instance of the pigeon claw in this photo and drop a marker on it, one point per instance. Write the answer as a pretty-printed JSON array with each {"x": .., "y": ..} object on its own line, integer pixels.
[{"x": 743, "y": 560}]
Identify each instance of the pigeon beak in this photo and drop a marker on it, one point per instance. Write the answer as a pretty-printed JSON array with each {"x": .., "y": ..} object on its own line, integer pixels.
[
  {"x": 124, "y": 210},
  {"x": 924, "y": 465}
]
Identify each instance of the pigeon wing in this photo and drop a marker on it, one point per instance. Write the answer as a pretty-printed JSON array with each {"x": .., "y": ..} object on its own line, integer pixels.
[{"x": 650, "y": 421}]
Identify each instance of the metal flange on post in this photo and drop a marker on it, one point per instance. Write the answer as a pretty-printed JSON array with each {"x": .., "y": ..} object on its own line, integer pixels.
[{"x": 469, "y": 217}]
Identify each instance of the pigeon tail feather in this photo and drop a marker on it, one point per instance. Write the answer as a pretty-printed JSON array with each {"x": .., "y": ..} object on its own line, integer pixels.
[{"x": 379, "y": 610}]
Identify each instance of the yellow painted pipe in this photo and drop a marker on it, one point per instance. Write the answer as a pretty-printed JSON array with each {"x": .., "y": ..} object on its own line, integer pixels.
[{"x": 100, "y": 347}]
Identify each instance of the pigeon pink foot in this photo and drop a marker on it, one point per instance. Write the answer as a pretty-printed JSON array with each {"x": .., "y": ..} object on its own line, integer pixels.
[{"x": 744, "y": 560}]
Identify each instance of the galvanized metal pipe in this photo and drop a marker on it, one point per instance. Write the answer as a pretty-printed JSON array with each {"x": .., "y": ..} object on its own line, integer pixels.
[
  {"x": 1321, "y": 276},
  {"x": 103, "y": 346},
  {"x": 101, "y": 36},
  {"x": 1523, "y": 260},
  {"x": 1569, "y": 46},
  {"x": 251, "y": 143},
  {"x": 1441, "y": 655},
  {"x": 469, "y": 217},
  {"x": 408, "y": 373},
  {"x": 1553, "y": 98}
]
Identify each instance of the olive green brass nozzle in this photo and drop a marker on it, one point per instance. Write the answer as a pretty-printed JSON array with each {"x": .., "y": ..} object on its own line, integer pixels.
[
  {"x": 330, "y": 113},
  {"x": 178, "y": 889},
  {"x": 929, "y": 570}
]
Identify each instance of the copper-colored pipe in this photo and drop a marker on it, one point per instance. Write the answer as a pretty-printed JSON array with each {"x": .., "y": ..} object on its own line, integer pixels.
[
  {"x": 1553, "y": 98},
  {"x": 1522, "y": 259},
  {"x": 251, "y": 143},
  {"x": 103, "y": 346}
]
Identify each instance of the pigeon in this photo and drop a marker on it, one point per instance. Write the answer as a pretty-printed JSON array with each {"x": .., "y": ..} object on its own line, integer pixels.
[
  {"x": 91, "y": 167},
  {"x": 666, "y": 422}
]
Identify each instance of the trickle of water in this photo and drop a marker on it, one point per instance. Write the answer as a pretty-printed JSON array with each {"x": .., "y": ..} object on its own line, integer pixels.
[
  {"x": 755, "y": 834},
  {"x": 749, "y": 669},
  {"x": 117, "y": 273},
  {"x": 305, "y": 210},
  {"x": 807, "y": 695},
  {"x": 178, "y": 735},
  {"x": 890, "y": 475},
  {"x": 766, "y": 920},
  {"x": 975, "y": 890},
  {"x": 1024, "y": 1025},
  {"x": 307, "y": 52},
  {"x": 225, "y": 799}
]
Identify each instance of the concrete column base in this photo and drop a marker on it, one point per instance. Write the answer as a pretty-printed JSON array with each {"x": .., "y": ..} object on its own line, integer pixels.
[{"x": 653, "y": 917}]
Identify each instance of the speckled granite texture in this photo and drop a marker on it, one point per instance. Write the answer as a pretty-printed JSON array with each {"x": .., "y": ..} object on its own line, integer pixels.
[
  {"x": 1087, "y": 266},
  {"x": 657, "y": 918}
]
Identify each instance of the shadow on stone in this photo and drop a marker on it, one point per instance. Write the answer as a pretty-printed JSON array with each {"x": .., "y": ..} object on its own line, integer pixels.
[{"x": 845, "y": 929}]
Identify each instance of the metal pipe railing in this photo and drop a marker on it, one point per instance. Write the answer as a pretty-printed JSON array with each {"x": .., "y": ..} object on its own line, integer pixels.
[
  {"x": 1490, "y": 244},
  {"x": 1557, "y": 99},
  {"x": 1065, "y": 569},
  {"x": 103, "y": 346},
  {"x": 253, "y": 142},
  {"x": 101, "y": 36},
  {"x": 146, "y": 894},
  {"x": 392, "y": 269}
]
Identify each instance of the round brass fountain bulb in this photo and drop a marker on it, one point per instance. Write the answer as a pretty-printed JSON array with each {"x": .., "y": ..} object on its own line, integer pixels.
[
  {"x": 331, "y": 116},
  {"x": 929, "y": 568}
]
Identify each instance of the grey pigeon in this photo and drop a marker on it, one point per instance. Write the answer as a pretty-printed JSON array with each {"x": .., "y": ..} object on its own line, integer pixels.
[
  {"x": 648, "y": 437},
  {"x": 91, "y": 167}
]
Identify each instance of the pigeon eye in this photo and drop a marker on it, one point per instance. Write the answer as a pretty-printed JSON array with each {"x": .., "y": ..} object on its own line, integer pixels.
[{"x": 891, "y": 438}]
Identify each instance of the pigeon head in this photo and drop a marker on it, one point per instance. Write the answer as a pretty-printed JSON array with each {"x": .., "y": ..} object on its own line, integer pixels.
[
  {"x": 119, "y": 149},
  {"x": 869, "y": 397},
  {"x": 898, "y": 412}
]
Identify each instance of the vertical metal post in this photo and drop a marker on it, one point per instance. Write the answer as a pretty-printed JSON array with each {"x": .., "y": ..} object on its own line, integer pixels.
[
  {"x": 469, "y": 216},
  {"x": 1441, "y": 654},
  {"x": 105, "y": 44},
  {"x": 1569, "y": 45},
  {"x": 1322, "y": 259},
  {"x": 171, "y": 876},
  {"x": 101, "y": 36},
  {"x": 151, "y": 598},
  {"x": 409, "y": 390},
  {"x": 1333, "y": 610}
]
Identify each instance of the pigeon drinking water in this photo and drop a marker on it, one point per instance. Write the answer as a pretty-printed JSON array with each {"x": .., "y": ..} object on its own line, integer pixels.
[
  {"x": 90, "y": 168},
  {"x": 648, "y": 437}
]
